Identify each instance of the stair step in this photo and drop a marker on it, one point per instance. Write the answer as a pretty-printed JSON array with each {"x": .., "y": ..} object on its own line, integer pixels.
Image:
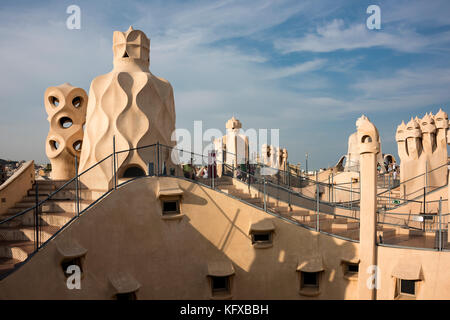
[
  {"x": 296, "y": 212},
  {"x": 7, "y": 264},
  {"x": 18, "y": 250},
  {"x": 386, "y": 233},
  {"x": 57, "y": 219},
  {"x": 51, "y": 206},
  {"x": 351, "y": 234},
  {"x": 26, "y": 233},
  {"x": 345, "y": 226},
  {"x": 313, "y": 217},
  {"x": 29, "y": 199},
  {"x": 44, "y": 188}
]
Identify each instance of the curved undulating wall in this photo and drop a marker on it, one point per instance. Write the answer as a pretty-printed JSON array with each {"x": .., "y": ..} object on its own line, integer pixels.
[
  {"x": 130, "y": 104},
  {"x": 127, "y": 233}
]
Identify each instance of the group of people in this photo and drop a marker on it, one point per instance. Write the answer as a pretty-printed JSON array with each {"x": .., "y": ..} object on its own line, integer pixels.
[
  {"x": 391, "y": 168},
  {"x": 192, "y": 172},
  {"x": 245, "y": 172},
  {"x": 195, "y": 172}
]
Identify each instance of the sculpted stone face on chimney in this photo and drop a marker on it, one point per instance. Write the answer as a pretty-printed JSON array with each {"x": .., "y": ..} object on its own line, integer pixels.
[
  {"x": 352, "y": 157},
  {"x": 368, "y": 137},
  {"x": 132, "y": 105},
  {"x": 422, "y": 148}
]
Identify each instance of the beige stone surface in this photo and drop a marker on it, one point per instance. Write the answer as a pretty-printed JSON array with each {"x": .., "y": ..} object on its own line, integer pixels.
[
  {"x": 422, "y": 148},
  {"x": 131, "y": 104},
  {"x": 434, "y": 278},
  {"x": 220, "y": 268},
  {"x": 352, "y": 157},
  {"x": 448, "y": 178},
  {"x": 274, "y": 157},
  {"x": 132, "y": 237},
  {"x": 17, "y": 186},
  {"x": 123, "y": 282},
  {"x": 311, "y": 264},
  {"x": 232, "y": 148},
  {"x": 408, "y": 269},
  {"x": 66, "y": 109}
]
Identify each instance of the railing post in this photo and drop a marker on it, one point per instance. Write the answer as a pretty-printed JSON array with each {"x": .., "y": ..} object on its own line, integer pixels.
[
  {"x": 36, "y": 216},
  {"x": 329, "y": 189},
  {"x": 317, "y": 200},
  {"x": 332, "y": 187},
  {"x": 351, "y": 195},
  {"x": 157, "y": 150},
  {"x": 389, "y": 186},
  {"x": 317, "y": 205},
  {"x": 424, "y": 200},
  {"x": 289, "y": 186},
  {"x": 440, "y": 223},
  {"x": 77, "y": 200},
  {"x": 264, "y": 187},
  {"x": 114, "y": 162}
]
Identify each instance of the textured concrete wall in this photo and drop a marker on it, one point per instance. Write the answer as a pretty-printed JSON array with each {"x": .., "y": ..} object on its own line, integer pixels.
[
  {"x": 125, "y": 232},
  {"x": 17, "y": 186}
]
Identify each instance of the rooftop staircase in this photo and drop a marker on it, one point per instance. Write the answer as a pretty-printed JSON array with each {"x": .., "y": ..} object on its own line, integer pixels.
[{"x": 18, "y": 236}]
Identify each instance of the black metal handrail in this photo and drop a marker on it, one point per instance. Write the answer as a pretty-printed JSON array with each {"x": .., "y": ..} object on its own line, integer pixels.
[{"x": 281, "y": 184}]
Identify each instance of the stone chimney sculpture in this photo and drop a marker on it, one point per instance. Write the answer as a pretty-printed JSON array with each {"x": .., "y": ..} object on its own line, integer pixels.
[
  {"x": 352, "y": 157},
  {"x": 66, "y": 109},
  {"x": 369, "y": 148},
  {"x": 422, "y": 148},
  {"x": 236, "y": 143},
  {"x": 132, "y": 105}
]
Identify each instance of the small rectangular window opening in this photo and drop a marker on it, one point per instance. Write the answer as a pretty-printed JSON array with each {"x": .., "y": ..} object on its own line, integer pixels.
[
  {"x": 171, "y": 207},
  {"x": 263, "y": 237},
  {"x": 408, "y": 287},
  {"x": 220, "y": 284},
  {"x": 352, "y": 268},
  {"x": 126, "y": 296},
  {"x": 310, "y": 280}
]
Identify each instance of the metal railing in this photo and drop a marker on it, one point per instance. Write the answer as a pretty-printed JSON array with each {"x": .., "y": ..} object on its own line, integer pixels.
[{"x": 299, "y": 199}]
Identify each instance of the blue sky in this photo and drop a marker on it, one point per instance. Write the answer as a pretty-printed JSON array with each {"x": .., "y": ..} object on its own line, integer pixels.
[{"x": 309, "y": 68}]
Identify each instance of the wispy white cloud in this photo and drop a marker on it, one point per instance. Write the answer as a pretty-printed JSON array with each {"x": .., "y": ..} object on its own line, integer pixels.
[
  {"x": 193, "y": 45},
  {"x": 336, "y": 35},
  {"x": 204, "y": 22},
  {"x": 296, "y": 69}
]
